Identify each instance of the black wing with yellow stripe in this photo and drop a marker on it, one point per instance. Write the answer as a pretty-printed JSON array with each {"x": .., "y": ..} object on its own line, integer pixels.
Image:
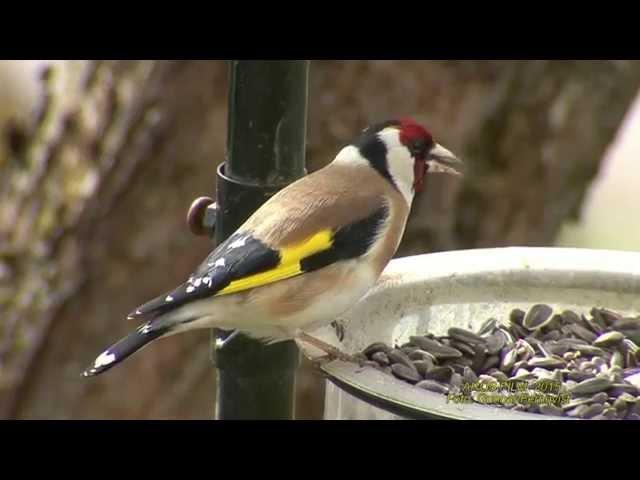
[{"x": 243, "y": 262}]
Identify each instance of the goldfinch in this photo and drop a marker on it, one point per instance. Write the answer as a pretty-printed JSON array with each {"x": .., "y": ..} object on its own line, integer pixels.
[{"x": 308, "y": 254}]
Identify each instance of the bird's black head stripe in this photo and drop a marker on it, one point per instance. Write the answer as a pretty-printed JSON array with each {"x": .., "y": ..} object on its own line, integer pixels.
[{"x": 374, "y": 150}]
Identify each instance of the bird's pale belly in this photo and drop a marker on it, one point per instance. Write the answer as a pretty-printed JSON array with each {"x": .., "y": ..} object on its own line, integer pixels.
[{"x": 312, "y": 299}]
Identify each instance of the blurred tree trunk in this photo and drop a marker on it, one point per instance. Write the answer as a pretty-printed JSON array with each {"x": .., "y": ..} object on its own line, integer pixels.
[{"x": 93, "y": 199}]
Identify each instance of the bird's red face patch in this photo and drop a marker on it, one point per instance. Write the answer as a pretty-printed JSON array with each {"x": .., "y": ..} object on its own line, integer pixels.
[{"x": 418, "y": 140}]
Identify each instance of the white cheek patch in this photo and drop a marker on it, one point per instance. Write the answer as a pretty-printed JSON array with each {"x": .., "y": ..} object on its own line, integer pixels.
[
  {"x": 105, "y": 358},
  {"x": 400, "y": 165}
]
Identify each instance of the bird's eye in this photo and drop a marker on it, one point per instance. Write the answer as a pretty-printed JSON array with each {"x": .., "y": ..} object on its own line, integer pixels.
[{"x": 418, "y": 147}]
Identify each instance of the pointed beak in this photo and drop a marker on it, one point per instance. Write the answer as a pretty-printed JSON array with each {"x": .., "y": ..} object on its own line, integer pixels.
[{"x": 439, "y": 159}]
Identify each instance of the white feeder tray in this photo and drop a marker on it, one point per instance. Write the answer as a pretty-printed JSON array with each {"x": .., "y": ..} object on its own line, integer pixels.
[{"x": 430, "y": 293}]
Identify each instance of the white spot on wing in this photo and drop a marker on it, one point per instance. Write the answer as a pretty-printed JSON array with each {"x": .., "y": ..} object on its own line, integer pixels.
[
  {"x": 197, "y": 282},
  {"x": 206, "y": 280},
  {"x": 218, "y": 263},
  {"x": 169, "y": 298},
  {"x": 190, "y": 289},
  {"x": 145, "y": 328},
  {"x": 105, "y": 358},
  {"x": 238, "y": 243}
]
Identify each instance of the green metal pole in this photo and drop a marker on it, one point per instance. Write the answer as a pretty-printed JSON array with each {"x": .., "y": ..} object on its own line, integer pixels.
[{"x": 265, "y": 152}]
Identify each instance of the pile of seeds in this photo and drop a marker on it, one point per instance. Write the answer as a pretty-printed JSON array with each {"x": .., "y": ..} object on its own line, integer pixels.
[{"x": 593, "y": 361}]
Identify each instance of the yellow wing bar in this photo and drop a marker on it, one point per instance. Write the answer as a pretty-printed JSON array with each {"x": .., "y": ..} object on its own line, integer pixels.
[{"x": 289, "y": 265}]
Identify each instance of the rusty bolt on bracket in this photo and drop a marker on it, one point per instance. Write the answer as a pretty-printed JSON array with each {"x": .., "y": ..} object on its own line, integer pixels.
[{"x": 201, "y": 217}]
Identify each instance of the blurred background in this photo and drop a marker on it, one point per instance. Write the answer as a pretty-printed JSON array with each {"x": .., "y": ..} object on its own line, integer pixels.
[{"x": 100, "y": 160}]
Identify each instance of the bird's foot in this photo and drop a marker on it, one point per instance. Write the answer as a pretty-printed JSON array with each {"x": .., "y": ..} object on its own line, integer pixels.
[
  {"x": 332, "y": 353},
  {"x": 338, "y": 327}
]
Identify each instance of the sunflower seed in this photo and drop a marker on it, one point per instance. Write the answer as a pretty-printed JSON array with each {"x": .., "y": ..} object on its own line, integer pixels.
[
  {"x": 592, "y": 385},
  {"x": 609, "y": 339},
  {"x": 632, "y": 376},
  {"x": 422, "y": 355},
  {"x": 408, "y": 350},
  {"x": 572, "y": 341},
  {"x": 578, "y": 411},
  {"x": 369, "y": 363},
  {"x": 380, "y": 358},
  {"x": 523, "y": 374},
  {"x": 397, "y": 356},
  {"x": 617, "y": 359},
  {"x": 609, "y": 317},
  {"x": 630, "y": 346},
  {"x": 436, "y": 348},
  {"x": 553, "y": 347},
  {"x": 547, "y": 362},
  {"x": 588, "y": 350},
  {"x": 516, "y": 316},
  {"x": 538, "y": 316},
  {"x": 615, "y": 374},
  {"x": 376, "y": 347},
  {"x": 576, "y": 402},
  {"x": 620, "y": 388},
  {"x": 569, "y": 316},
  {"x": 487, "y": 379},
  {"x": 552, "y": 335},
  {"x": 592, "y": 410},
  {"x": 550, "y": 410},
  {"x": 586, "y": 366},
  {"x": 509, "y": 339},
  {"x": 487, "y": 327},
  {"x": 626, "y": 323},
  {"x": 500, "y": 376},
  {"x": 403, "y": 372},
  {"x": 490, "y": 362},
  {"x": 433, "y": 386},
  {"x": 519, "y": 331},
  {"x": 465, "y": 336},
  {"x": 600, "y": 397},
  {"x": 423, "y": 366},
  {"x": 623, "y": 401},
  {"x": 598, "y": 319},
  {"x": 495, "y": 342},
  {"x": 581, "y": 332},
  {"x": 509, "y": 359},
  {"x": 578, "y": 375},
  {"x": 478, "y": 360},
  {"x": 463, "y": 347},
  {"x": 441, "y": 374},
  {"x": 631, "y": 359},
  {"x": 469, "y": 376}
]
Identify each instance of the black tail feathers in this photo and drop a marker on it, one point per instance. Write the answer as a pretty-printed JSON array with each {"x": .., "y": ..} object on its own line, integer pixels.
[{"x": 123, "y": 349}]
